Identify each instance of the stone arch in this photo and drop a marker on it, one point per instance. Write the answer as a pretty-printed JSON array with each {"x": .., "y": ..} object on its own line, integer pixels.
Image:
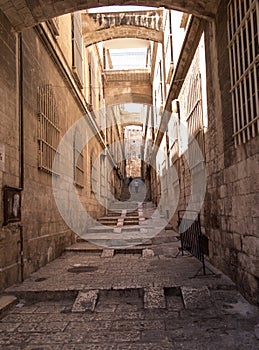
[
  {"x": 130, "y": 98},
  {"x": 123, "y": 32},
  {"x": 27, "y": 14},
  {"x": 131, "y": 123}
]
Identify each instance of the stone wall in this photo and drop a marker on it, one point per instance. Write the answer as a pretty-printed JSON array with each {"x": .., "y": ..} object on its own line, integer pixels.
[
  {"x": 117, "y": 92},
  {"x": 229, "y": 215},
  {"x": 180, "y": 179},
  {"x": 45, "y": 234},
  {"x": 231, "y": 206},
  {"x": 9, "y": 141}
]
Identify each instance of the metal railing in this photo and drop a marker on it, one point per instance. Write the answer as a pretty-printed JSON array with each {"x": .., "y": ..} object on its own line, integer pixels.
[{"x": 192, "y": 240}]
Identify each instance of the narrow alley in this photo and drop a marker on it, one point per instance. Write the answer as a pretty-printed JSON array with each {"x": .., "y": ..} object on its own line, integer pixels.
[{"x": 129, "y": 175}]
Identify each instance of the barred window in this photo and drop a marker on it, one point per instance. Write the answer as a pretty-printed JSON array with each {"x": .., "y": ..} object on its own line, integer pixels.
[
  {"x": 195, "y": 120},
  {"x": 78, "y": 161},
  {"x": 243, "y": 57},
  {"x": 77, "y": 48},
  {"x": 93, "y": 173},
  {"x": 194, "y": 105},
  {"x": 102, "y": 175},
  {"x": 48, "y": 127}
]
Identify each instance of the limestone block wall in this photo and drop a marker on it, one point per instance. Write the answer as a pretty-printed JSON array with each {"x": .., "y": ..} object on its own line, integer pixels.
[
  {"x": 231, "y": 206},
  {"x": 181, "y": 181},
  {"x": 46, "y": 233},
  {"x": 44, "y": 230},
  {"x": 127, "y": 91},
  {"x": 230, "y": 214},
  {"x": 9, "y": 146}
]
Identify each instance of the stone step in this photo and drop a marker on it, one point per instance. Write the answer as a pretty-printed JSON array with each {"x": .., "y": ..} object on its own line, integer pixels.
[
  {"x": 109, "y": 218},
  {"x": 154, "y": 298},
  {"x": 123, "y": 205},
  {"x": 107, "y": 253},
  {"x": 148, "y": 253},
  {"x": 111, "y": 214},
  {"x": 85, "y": 301},
  {"x": 85, "y": 247},
  {"x": 6, "y": 301},
  {"x": 100, "y": 229},
  {"x": 132, "y": 214},
  {"x": 120, "y": 242},
  {"x": 196, "y": 298},
  {"x": 107, "y": 222},
  {"x": 130, "y": 223}
]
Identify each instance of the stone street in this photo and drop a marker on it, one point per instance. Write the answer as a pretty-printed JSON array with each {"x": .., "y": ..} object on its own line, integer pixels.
[{"x": 142, "y": 298}]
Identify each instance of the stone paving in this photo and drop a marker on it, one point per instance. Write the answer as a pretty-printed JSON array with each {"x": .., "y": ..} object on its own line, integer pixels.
[{"x": 139, "y": 298}]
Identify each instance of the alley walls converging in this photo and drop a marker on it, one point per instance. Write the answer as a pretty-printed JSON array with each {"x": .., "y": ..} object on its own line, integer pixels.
[{"x": 166, "y": 97}]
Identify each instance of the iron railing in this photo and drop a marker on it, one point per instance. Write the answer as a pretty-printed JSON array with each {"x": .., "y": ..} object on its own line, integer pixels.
[{"x": 192, "y": 240}]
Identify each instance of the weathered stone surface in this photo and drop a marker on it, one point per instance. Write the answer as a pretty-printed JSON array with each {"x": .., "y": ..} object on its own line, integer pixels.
[
  {"x": 85, "y": 301},
  {"x": 119, "y": 320},
  {"x": 147, "y": 253},
  {"x": 117, "y": 230},
  {"x": 196, "y": 298},
  {"x": 154, "y": 298},
  {"x": 6, "y": 301},
  {"x": 107, "y": 253},
  {"x": 230, "y": 216}
]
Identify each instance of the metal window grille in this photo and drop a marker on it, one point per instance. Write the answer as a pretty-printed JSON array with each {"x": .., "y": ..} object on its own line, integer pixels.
[
  {"x": 48, "y": 127},
  {"x": 78, "y": 162},
  {"x": 102, "y": 175},
  {"x": 77, "y": 45},
  {"x": 93, "y": 174},
  {"x": 243, "y": 58},
  {"x": 194, "y": 105},
  {"x": 195, "y": 120}
]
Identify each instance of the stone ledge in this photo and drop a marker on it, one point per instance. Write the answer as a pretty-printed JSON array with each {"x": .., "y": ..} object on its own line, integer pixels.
[{"x": 6, "y": 301}]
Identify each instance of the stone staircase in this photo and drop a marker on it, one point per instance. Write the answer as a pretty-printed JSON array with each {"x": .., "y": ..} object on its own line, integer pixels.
[
  {"x": 123, "y": 225},
  {"x": 122, "y": 218}
]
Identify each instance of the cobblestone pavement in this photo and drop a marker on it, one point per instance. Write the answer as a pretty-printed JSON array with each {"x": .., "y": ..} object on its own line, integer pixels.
[{"x": 141, "y": 298}]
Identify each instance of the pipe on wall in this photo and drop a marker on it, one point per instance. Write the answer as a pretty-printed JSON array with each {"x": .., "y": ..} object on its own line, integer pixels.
[
  {"x": 21, "y": 142},
  {"x": 20, "y": 109}
]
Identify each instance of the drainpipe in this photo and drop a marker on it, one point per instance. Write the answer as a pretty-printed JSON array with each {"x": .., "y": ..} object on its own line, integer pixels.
[
  {"x": 20, "y": 108},
  {"x": 21, "y": 140}
]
